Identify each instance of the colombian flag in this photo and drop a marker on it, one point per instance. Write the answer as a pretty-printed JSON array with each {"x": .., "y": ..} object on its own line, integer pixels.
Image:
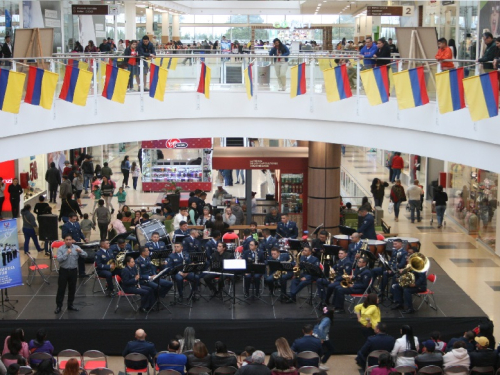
[
  {"x": 337, "y": 83},
  {"x": 11, "y": 90},
  {"x": 298, "y": 80},
  {"x": 204, "y": 84},
  {"x": 376, "y": 85},
  {"x": 482, "y": 95},
  {"x": 450, "y": 90},
  {"x": 78, "y": 64},
  {"x": 41, "y": 87},
  {"x": 249, "y": 81},
  {"x": 115, "y": 86},
  {"x": 410, "y": 88},
  {"x": 157, "y": 82},
  {"x": 76, "y": 85},
  {"x": 169, "y": 63}
]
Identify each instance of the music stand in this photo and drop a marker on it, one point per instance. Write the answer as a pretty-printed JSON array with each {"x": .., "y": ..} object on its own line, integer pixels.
[
  {"x": 156, "y": 306},
  {"x": 259, "y": 268},
  {"x": 161, "y": 254},
  {"x": 179, "y": 238},
  {"x": 284, "y": 267},
  {"x": 172, "y": 272},
  {"x": 346, "y": 230},
  {"x": 314, "y": 271},
  {"x": 369, "y": 256},
  {"x": 235, "y": 266},
  {"x": 195, "y": 268}
]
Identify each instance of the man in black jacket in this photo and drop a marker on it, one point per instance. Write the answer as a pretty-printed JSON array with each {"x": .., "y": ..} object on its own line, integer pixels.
[
  {"x": 483, "y": 356},
  {"x": 489, "y": 53},
  {"x": 53, "y": 178},
  {"x": 141, "y": 346},
  {"x": 7, "y": 50},
  {"x": 380, "y": 341},
  {"x": 308, "y": 343},
  {"x": 146, "y": 50},
  {"x": 429, "y": 357},
  {"x": 88, "y": 172}
]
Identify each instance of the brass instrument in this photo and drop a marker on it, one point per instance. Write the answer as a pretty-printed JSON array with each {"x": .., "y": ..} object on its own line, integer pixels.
[
  {"x": 331, "y": 275},
  {"x": 118, "y": 261},
  {"x": 277, "y": 275},
  {"x": 346, "y": 280},
  {"x": 417, "y": 262},
  {"x": 364, "y": 247},
  {"x": 296, "y": 269}
]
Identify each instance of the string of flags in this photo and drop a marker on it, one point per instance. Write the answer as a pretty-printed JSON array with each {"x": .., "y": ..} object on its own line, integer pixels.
[{"x": 453, "y": 91}]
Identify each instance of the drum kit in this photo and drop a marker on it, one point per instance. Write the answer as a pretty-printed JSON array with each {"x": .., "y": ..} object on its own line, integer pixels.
[{"x": 146, "y": 230}]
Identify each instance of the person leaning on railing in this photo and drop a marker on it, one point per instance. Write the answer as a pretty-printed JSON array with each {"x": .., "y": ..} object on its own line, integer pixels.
[{"x": 146, "y": 50}]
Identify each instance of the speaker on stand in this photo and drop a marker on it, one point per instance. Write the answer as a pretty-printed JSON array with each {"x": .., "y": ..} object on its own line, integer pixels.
[{"x": 48, "y": 232}]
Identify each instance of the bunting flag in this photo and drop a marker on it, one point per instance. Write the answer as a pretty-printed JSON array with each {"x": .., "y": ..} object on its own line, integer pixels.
[
  {"x": 157, "y": 82},
  {"x": 78, "y": 64},
  {"x": 115, "y": 86},
  {"x": 410, "y": 88},
  {"x": 169, "y": 63},
  {"x": 337, "y": 83},
  {"x": 76, "y": 85},
  {"x": 11, "y": 90},
  {"x": 376, "y": 85},
  {"x": 450, "y": 90},
  {"x": 298, "y": 80},
  {"x": 41, "y": 87},
  {"x": 249, "y": 81},
  {"x": 481, "y": 93},
  {"x": 204, "y": 84}
]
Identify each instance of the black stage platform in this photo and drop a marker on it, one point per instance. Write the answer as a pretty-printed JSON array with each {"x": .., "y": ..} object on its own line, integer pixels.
[{"x": 97, "y": 326}]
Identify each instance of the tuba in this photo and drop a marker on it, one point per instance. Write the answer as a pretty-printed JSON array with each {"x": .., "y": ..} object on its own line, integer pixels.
[
  {"x": 346, "y": 280},
  {"x": 296, "y": 269},
  {"x": 417, "y": 262}
]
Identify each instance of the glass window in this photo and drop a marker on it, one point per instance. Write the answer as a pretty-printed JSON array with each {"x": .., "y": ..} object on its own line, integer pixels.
[
  {"x": 219, "y": 32},
  {"x": 203, "y": 19},
  {"x": 257, "y": 19},
  {"x": 187, "y": 34},
  {"x": 329, "y": 19},
  {"x": 239, "y": 19},
  {"x": 221, "y": 19},
  {"x": 296, "y": 18},
  {"x": 275, "y": 19},
  {"x": 186, "y": 18},
  {"x": 311, "y": 19},
  {"x": 346, "y": 19},
  {"x": 241, "y": 34},
  {"x": 202, "y": 33}
]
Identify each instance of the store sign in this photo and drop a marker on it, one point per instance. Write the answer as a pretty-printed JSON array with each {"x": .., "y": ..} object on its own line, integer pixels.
[
  {"x": 175, "y": 143},
  {"x": 91, "y": 10},
  {"x": 178, "y": 143},
  {"x": 7, "y": 172},
  {"x": 265, "y": 164},
  {"x": 388, "y": 11}
]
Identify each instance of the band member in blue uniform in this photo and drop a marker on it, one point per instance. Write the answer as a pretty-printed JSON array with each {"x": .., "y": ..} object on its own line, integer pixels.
[
  {"x": 354, "y": 248},
  {"x": 367, "y": 228},
  {"x": 253, "y": 255},
  {"x": 191, "y": 244},
  {"x": 104, "y": 269},
  {"x": 286, "y": 228},
  {"x": 217, "y": 260},
  {"x": 120, "y": 246},
  {"x": 269, "y": 242},
  {"x": 327, "y": 288},
  {"x": 183, "y": 229},
  {"x": 270, "y": 281},
  {"x": 155, "y": 244},
  {"x": 361, "y": 279},
  {"x": 247, "y": 234},
  {"x": 406, "y": 294},
  {"x": 177, "y": 258},
  {"x": 396, "y": 263},
  {"x": 147, "y": 271},
  {"x": 131, "y": 285},
  {"x": 304, "y": 279},
  {"x": 211, "y": 245}
]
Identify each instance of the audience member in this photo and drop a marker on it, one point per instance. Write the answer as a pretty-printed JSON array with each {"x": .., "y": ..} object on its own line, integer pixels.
[
  {"x": 257, "y": 367},
  {"x": 440, "y": 345},
  {"x": 308, "y": 343},
  {"x": 429, "y": 356},
  {"x": 384, "y": 365},
  {"x": 406, "y": 342},
  {"x": 140, "y": 345},
  {"x": 222, "y": 358},
  {"x": 72, "y": 367},
  {"x": 199, "y": 356},
  {"x": 368, "y": 314},
  {"x": 380, "y": 341},
  {"x": 467, "y": 338},
  {"x": 188, "y": 340},
  {"x": 283, "y": 358},
  {"x": 322, "y": 332},
  {"x": 46, "y": 367},
  {"x": 40, "y": 345},
  {"x": 249, "y": 350},
  {"x": 486, "y": 329},
  {"x": 483, "y": 356},
  {"x": 15, "y": 345},
  {"x": 457, "y": 356},
  {"x": 13, "y": 369},
  {"x": 173, "y": 359}
]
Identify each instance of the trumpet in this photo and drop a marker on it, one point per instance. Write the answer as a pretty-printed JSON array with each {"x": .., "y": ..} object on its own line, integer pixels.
[{"x": 346, "y": 280}]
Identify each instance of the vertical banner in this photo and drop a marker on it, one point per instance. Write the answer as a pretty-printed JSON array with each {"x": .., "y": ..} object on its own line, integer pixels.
[{"x": 10, "y": 264}]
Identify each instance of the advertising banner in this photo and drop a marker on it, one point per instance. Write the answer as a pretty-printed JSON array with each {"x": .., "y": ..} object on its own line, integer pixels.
[{"x": 10, "y": 264}]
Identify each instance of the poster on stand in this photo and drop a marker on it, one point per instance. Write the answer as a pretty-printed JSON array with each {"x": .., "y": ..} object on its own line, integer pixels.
[{"x": 10, "y": 264}]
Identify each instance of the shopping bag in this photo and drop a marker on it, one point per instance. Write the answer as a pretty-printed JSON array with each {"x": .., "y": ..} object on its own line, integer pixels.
[{"x": 391, "y": 207}]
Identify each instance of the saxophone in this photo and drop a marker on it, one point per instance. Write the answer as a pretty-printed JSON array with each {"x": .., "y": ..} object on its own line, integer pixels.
[{"x": 296, "y": 269}]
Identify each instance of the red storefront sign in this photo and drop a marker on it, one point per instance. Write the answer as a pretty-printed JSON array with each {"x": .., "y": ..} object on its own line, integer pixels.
[
  {"x": 7, "y": 172},
  {"x": 176, "y": 143}
]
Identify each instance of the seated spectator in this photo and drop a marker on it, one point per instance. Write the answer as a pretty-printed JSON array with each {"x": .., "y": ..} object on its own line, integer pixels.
[
  {"x": 283, "y": 358},
  {"x": 379, "y": 341},
  {"x": 308, "y": 343},
  {"x": 15, "y": 345},
  {"x": 188, "y": 340},
  {"x": 222, "y": 358},
  {"x": 13, "y": 369},
  {"x": 46, "y": 367},
  {"x": 199, "y": 356},
  {"x": 440, "y": 345},
  {"x": 173, "y": 360},
  {"x": 467, "y": 338},
  {"x": 127, "y": 217},
  {"x": 348, "y": 209},
  {"x": 486, "y": 329},
  {"x": 406, "y": 342},
  {"x": 429, "y": 357},
  {"x": 384, "y": 365},
  {"x": 140, "y": 345},
  {"x": 458, "y": 356},
  {"x": 256, "y": 367},
  {"x": 73, "y": 368},
  {"x": 249, "y": 350},
  {"x": 40, "y": 345},
  {"x": 483, "y": 356}
]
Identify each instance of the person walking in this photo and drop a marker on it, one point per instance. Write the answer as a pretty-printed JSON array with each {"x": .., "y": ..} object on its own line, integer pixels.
[
  {"x": 78, "y": 184},
  {"x": 53, "y": 178},
  {"x": 398, "y": 196},
  {"x": 378, "y": 190},
  {"x": 136, "y": 172},
  {"x": 107, "y": 190},
  {"x": 125, "y": 167},
  {"x": 415, "y": 192},
  {"x": 103, "y": 217},
  {"x": 397, "y": 164},
  {"x": 440, "y": 199},
  {"x": 280, "y": 63},
  {"x": 15, "y": 192},
  {"x": 29, "y": 229}
]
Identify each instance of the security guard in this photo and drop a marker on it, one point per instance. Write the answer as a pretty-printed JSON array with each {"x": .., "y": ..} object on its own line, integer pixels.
[
  {"x": 397, "y": 262},
  {"x": 343, "y": 264},
  {"x": 147, "y": 271},
  {"x": 105, "y": 270},
  {"x": 285, "y": 276},
  {"x": 211, "y": 245},
  {"x": 286, "y": 228},
  {"x": 178, "y": 258},
  {"x": 304, "y": 279},
  {"x": 73, "y": 227},
  {"x": 155, "y": 244},
  {"x": 269, "y": 242},
  {"x": 252, "y": 256},
  {"x": 191, "y": 244},
  {"x": 361, "y": 279},
  {"x": 131, "y": 285},
  {"x": 406, "y": 294},
  {"x": 217, "y": 261}
]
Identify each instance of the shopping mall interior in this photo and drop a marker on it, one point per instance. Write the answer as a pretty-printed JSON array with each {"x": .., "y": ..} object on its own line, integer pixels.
[{"x": 299, "y": 127}]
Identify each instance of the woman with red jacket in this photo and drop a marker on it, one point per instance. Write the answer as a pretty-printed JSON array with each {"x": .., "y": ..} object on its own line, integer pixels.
[{"x": 397, "y": 164}]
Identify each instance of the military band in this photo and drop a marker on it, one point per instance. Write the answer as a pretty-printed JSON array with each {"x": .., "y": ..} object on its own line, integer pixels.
[
  {"x": 326, "y": 287},
  {"x": 355, "y": 249},
  {"x": 106, "y": 266},
  {"x": 178, "y": 259},
  {"x": 287, "y": 228},
  {"x": 211, "y": 245},
  {"x": 252, "y": 256},
  {"x": 360, "y": 281},
  {"x": 131, "y": 284},
  {"x": 120, "y": 246},
  {"x": 155, "y": 244},
  {"x": 269, "y": 242},
  {"x": 279, "y": 278},
  {"x": 216, "y": 269},
  {"x": 396, "y": 263},
  {"x": 182, "y": 230},
  {"x": 304, "y": 279},
  {"x": 147, "y": 271},
  {"x": 191, "y": 244}
]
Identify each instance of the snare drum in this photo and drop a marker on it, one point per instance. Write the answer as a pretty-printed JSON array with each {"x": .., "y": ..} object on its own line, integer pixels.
[
  {"x": 376, "y": 247},
  {"x": 145, "y": 231},
  {"x": 342, "y": 240}
]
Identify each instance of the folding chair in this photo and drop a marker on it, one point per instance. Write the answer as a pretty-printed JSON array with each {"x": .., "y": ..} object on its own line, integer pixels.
[
  {"x": 157, "y": 369},
  {"x": 225, "y": 370},
  {"x": 369, "y": 370},
  {"x": 359, "y": 297},
  {"x": 93, "y": 359},
  {"x": 374, "y": 354},
  {"x": 53, "y": 258},
  {"x": 120, "y": 293},
  {"x": 308, "y": 355},
  {"x": 169, "y": 372},
  {"x": 309, "y": 370},
  {"x": 197, "y": 370},
  {"x": 406, "y": 370},
  {"x": 459, "y": 369},
  {"x": 101, "y": 371},
  {"x": 39, "y": 356},
  {"x": 25, "y": 370},
  {"x": 33, "y": 268},
  {"x": 65, "y": 355},
  {"x": 428, "y": 295},
  {"x": 430, "y": 370},
  {"x": 136, "y": 357},
  {"x": 482, "y": 370},
  {"x": 97, "y": 279}
]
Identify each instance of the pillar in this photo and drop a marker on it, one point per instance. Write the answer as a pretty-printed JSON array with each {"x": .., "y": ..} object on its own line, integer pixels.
[
  {"x": 324, "y": 186},
  {"x": 176, "y": 32},
  {"x": 165, "y": 25},
  {"x": 130, "y": 26},
  {"x": 149, "y": 21}
]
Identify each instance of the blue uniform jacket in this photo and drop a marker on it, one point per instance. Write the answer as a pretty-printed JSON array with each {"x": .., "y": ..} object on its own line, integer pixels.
[
  {"x": 211, "y": 247},
  {"x": 312, "y": 259},
  {"x": 368, "y": 227},
  {"x": 146, "y": 268},
  {"x": 73, "y": 229},
  {"x": 128, "y": 277},
  {"x": 181, "y": 232},
  {"x": 421, "y": 280},
  {"x": 142, "y": 347},
  {"x": 288, "y": 230},
  {"x": 102, "y": 257},
  {"x": 268, "y": 244},
  {"x": 284, "y": 257},
  {"x": 175, "y": 260},
  {"x": 353, "y": 249},
  {"x": 398, "y": 259},
  {"x": 380, "y": 341},
  {"x": 362, "y": 277},
  {"x": 152, "y": 246},
  {"x": 309, "y": 344},
  {"x": 246, "y": 243},
  {"x": 341, "y": 266},
  {"x": 250, "y": 257},
  {"x": 115, "y": 249},
  {"x": 191, "y": 245}
]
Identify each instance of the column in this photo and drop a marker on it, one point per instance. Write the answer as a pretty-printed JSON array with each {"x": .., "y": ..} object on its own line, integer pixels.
[
  {"x": 149, "y": 21},
  {"x": 324, "y": 186},
  {"x": 165, "y": 25},
  {"x": 176, "y": 34},
  {"x": 130, "y": 26}
]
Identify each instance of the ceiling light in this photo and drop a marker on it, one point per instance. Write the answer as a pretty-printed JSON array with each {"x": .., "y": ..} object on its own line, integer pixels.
[{"x": 140, "y": 5}]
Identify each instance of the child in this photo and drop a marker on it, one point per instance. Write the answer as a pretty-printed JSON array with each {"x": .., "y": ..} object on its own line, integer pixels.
[
  {"x": 253, "y": 228},
  {"x": 86, "y": 226},
  {"x": 122, "y": 196},
  {"x": 96, "y": 194}
]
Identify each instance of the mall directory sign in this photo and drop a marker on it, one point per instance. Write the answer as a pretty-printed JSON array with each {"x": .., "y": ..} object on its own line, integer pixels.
[{"x": 92, "y": 10}]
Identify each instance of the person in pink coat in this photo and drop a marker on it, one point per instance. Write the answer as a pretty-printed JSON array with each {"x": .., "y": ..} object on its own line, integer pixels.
[{"x": 15, "y": 345}]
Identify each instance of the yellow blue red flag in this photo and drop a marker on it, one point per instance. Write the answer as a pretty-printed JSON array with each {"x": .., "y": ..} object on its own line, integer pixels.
[
  {"x": 157, "y": 82},
  {"x": 450, "y": 90},
  {"x": 169, "y": 63},
  {"x": 481, "y": 93},
  {"x": 11, "y": 90},
  {"x": 76, "y": 85},
  {"x": 115, "y": 86},
  {"x": 249, "y": 81},
  {"x": 204, "y": 84},
  {"x": 376, "y": 85},
  {"x": 337, "y": 83},
  {"x": 41, "y": 87},
  {"x": 298, "y": 80},
  {"x": 410, "y": 88}
]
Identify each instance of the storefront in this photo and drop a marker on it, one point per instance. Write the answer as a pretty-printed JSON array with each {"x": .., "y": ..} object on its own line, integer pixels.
[{"x": 170, "y": 163}]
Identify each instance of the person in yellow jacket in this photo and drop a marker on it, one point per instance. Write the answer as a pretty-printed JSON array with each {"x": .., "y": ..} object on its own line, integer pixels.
[{"x": 368, "y": 314}]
